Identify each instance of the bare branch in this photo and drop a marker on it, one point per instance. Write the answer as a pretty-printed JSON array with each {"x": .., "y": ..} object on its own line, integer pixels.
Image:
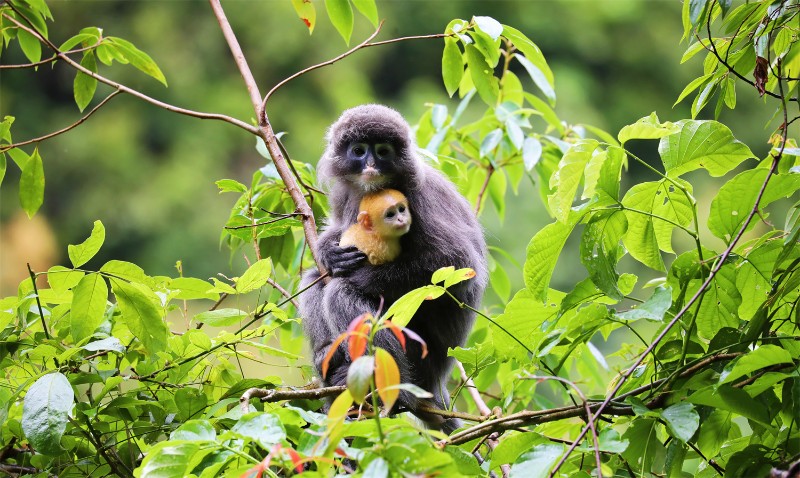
[
  {"x": 119, "y": 86},
  {"x": 7, "y": 147},
  {"x": 47, "y": 60}
]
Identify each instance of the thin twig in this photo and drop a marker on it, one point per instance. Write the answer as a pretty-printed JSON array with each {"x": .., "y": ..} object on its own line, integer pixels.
[
  {"x": 175, "y": 109},
  {"x": 39, "y": 304},
  {"x": 47, "y": 60},
  {"x": 283, "y": 292},
  {"x": 7, "y": 147}
]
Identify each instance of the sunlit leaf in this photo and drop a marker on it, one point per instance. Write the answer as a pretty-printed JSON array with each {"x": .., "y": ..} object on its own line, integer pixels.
[
  {"x": 141, "y": 315},
  {"x": 254, "y": 277},
  {"x": 88, "y": 306},
  {"x": 31, "y": 184},
  {"x": 307, "y": 13},
  {"x": 567, "y": 178},
  {"x": 341, "y": 14},
  {"x": 45, "y": 412},
  {"x": 482, "y": 75},
  {"x": 221, "y": 317},
  {"x": 542, "y": 254},
  {"x": 80, "y": 254},
  {"x": 720, "y": 304},
  {"x": 406, "y": 306},
  {"x": 537, "y": 462},
  {"x": 368, "y": 9},
  {"x": 764, "y": 356},
  {"x": 137, "y": 58},
  {"x": 84, "y": 85},
  {"x": 702, "y": 144},
  {"x": 648, "y": 127},
  {"x": 30, "y": 45},
  {"x": 386, "y": 375}
]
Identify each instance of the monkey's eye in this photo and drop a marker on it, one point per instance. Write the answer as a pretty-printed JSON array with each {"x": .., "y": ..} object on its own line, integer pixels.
[
  {"x": 358, "y": 150},
  {"x": 389, "y": 214},
  {"x": 384, "y": 151},
  {"x": 401, "y": 209}
]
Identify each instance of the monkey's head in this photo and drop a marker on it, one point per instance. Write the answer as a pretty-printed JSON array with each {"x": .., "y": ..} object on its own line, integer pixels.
[
  {"x": 385, "y": 213},
  {"x": 370, "y": 147}
]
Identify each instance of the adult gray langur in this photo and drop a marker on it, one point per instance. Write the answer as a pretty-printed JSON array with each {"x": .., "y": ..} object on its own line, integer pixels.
[{"x": 370, "y": 148}]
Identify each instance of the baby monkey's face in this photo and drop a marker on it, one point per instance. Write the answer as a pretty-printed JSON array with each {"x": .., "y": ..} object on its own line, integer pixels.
[{"x": 396, "y": 219}]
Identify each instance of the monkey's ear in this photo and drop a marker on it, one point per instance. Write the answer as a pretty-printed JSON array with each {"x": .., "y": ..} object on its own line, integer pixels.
[{"x": 364, "y": 220}]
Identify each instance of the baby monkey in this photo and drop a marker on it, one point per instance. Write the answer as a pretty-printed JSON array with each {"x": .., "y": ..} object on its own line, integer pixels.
[{"x": 382, "y": 218}]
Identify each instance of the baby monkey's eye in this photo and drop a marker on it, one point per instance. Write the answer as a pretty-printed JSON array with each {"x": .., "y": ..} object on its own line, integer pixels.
[
  {"x": 389, "y": 214},
  {"x": 401, "y": 209}
]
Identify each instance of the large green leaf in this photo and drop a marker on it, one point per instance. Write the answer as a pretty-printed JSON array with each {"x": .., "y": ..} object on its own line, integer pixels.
[
  {"x": 682, "y": 420},
  {"x": 45, "y": 412},
  {"x": 702, "y": 144},
  {"x": 754, "y": 276},
  {"x": 568, "y": 177},
  {"x": 653, "y": 309},
  {"x": 368, "y": 9},
  {"x": 518, "y": 330},
  {"x": 452, "y": 65},
  {"x": 406, "y": 306},
  {"x": 736, "y": 400},
  {"x": 542, "y": 75},
  {"x": 141, "y": 314},
  {"x": 737, "y": 197},
  {"x": 542, "y": 255},
  {"x": 88, "y": 306},
  {"x": 169, "y": 459},
  {"x": 137, "y": 58},
  {"x": 81, "y": 253},
  {"x": 341, "y": 14},
  {"x": 720, "y": 304},
  {"x": 254, "y": 277},
  {"x": 84, "y": 85},
  {"x": 648, "y": 127},
  {"x": 537, "y": 462},
  {"x": 263, "y": 428},
  {"x": 600, "y": 250},
  {"x": 762, "y": 357},
  {"x": 31, "y": 184}
]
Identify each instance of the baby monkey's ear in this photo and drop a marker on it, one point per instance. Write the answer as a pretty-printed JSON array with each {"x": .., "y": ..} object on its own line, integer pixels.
[{"x": 364, "y": 220}]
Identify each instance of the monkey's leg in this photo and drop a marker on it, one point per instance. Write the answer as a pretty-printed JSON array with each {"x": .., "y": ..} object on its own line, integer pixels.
[{"x": 315, "y": 325}]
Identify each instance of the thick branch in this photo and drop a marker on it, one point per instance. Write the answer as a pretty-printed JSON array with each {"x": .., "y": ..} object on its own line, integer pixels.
[{"x": 266, "y": 133}]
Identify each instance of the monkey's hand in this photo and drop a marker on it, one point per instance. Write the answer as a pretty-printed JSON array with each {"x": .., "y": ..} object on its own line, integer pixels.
[{"x": 342, "y": 261}]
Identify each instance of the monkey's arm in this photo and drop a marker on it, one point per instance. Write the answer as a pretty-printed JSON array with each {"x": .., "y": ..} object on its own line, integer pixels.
[{"x": 340, "y": 261}]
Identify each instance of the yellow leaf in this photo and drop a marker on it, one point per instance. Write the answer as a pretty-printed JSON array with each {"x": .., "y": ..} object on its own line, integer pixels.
[{"x": 386, "y": 375}]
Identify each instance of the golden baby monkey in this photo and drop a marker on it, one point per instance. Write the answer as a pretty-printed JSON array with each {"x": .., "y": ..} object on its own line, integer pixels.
[{"x": 382, "y": 218}]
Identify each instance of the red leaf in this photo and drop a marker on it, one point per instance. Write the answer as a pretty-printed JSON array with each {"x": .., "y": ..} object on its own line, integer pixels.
[
  {"x": 331, "y": 351},
  {"x": 413, "y": 336},
  {"x": 296, "y": 460},
  {"x": 358, "y": 335},
  {"x": 398, "y": 332}
]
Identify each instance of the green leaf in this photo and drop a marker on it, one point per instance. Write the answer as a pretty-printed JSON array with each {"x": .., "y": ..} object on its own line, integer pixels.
[
  {"x": 542, "y": 255},
  {"x": 61, "y": 278},
  {"x": 5, "y": 129},
  {"x": 30, "y": 45},
  {"x": 169, "y": 459},
  {"x": 3, "y": 166},
  {"x": 682, "y": 420},
  {"x": 452, "y": 65},
  {"x": 653, "y": 309},
  {"x": 733, "y": 400},
  {"x": 714, "y": 432},
  {"x": 192, "y": 288},
  {"x": 600, "y": 250},
  {"x": 45, "y": 412},
  {"x": 83, "y": 252},
  {"x": 230, "y": 185},
  {"x": 125, "y": 270},
  {"x": 262, "y": 428},
  {"x": 195, "y": 430},
  {"x": 648, "y": 127},
  {"x": 88, "y": 306},
  {"x": 406, "y": 306},
  {"x": 753, "y": 277},
  {"x": 109, "y": 343},
  {"x": 368, "y": 9},
  {"x": 567, "y": 178},
  {"x": 221, "y": 317},
  {"x": 737, "y": 197},
  {"x": 141, "y": 314},
  {"x": 474, "y": 358},
  {"x": 535, "y": 57},
  {"x": 512, "y": 446},
  {"x": 490, "y": 142},
  {"x": 254, "y": 277},
  {"x": 538, "y": 77},
  {"x": 537, "y": 462},
  {"x": 31, "y": 184},
  {"x": 341, "y": 14},
  {"x": 307, "y": 13},
  {"x": 702, "y": 144},
  {"x": 517, "y": 332},
  {"x": 87, "y": 36},
  {"x": 720, "y": 304},
  {"x": 137, "y": 58},
  {"x": 762, "y": 357},
  {"x": 359, "y": 377},
  {"x": 482, "y": 75},
  {"x": 190, "y": 402},
  {"x": 84, "y": 85}
]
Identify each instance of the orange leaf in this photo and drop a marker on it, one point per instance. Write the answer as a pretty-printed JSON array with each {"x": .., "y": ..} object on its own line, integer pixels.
[
  {"x": 358, "y": 335},
  {"x": 331, "y": 351},
  {"x": 398, "y": 332},
  {"x": 386, "y": 375},
  {"x": 296, "y": 460}
]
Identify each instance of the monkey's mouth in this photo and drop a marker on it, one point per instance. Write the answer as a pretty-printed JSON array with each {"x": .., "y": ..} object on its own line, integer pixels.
[{"x": 371, "y": 179}]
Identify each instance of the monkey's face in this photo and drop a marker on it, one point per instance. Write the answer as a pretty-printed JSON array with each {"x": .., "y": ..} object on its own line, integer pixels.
[
  {"x": 396, "y": 220},
  {"x": 370, "y": 163}
]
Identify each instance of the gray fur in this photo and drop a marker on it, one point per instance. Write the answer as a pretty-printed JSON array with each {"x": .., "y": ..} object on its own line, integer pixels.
[{"x": 445, "y": 233}]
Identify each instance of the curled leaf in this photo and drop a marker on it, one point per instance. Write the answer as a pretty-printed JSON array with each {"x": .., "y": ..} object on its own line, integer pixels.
[
  {"x": 413, "y": 336},
  {"x": 331, "y": 351},
  {"x": 398, "y": 332}
]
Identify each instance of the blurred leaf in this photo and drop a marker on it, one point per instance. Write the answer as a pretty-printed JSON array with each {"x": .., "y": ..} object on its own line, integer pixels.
[
  {"x": 490, "y": 26},
  {"x": 368, "y": 9},
  {"x": 358, "y": 332},
  {"x": 359, "y": 377},
  {"x": 45, "y": 413},
  {"x": 538, "y": 78},
  {"x": 137, "y": 58},
  {"x": 307, "y": 13},
  {"x": 83, "y": 252},
  {"x": 406, "y": 306},
  {"x": 254, "y": 277},
  {"x": 735, "y": 400},
  {"x": 109, "y": 343},
  {"x": 88, "y": 306},
  {"x": 30, "y": 45},
  {"x": 341, "y": 14},
  {"x": 531, "y": 152},
  {"x": 169, "y": 459},
  {"x": 87, "y": 36},
  {"x": 199, "y": 430},
  {"x": 31, "y": 184},
  {"x": 702, "y": 144},
  {"x": 490, "y": 142},
  {"x": 141, "y": 315},
  {"x": 386, "y": 375},
  {"x": 512, "y": 446},
  {"x": 230, "y": 185},
  {"x": 84, "y": 85},
  {"x": 540, "y": 73}
]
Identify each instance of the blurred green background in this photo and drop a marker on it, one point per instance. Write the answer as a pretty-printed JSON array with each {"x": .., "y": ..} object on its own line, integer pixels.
[{"x": 149, "y": 174}]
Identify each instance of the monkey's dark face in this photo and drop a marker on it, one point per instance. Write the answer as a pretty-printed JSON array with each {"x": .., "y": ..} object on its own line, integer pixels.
[{"x": 369, "y": 163}]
